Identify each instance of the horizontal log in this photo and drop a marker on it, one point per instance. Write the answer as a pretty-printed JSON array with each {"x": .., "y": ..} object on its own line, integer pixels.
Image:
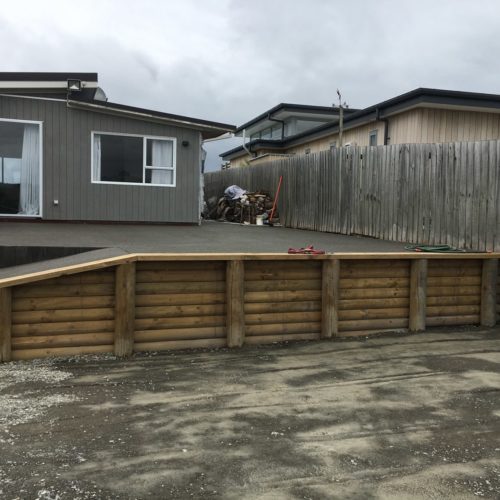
[
  {"x": 473, "y": 261},
  {"x": 179, "y": 344},
  {"x": 375, "y": 272},
  {"x": 348, "y": 283},
  {"x": 280, "y": 307},
  {"x": 180, "y": 334},
  {"x": 87, "y": 278},
  {"x": 73, "y": 340},
  {"x": 278, "y": 285},
  {"x": 376, "y": 263},
  {"x": 374, "y": 293},
  {"x": 283, "y": 274},
  {"x": 454, "y": 300},
  {"x": 282, "y": 296},
  {"x": 195, "y": 275},
  {"x": 24, "y": 354},
  {"x": 455, "y": 281},
  {"x": 377, "y": 303},
  {"x": 455, "y": 272},
  {"x": 270, "y": 266},
  {"x": 282, "y": 328},
  {"x": 454, "y": 291},
  {"x": 179, "y": 311},
  {"x": 466, "y": 310},
  {"x": 64, "y": 315},
  {"x": 51, "y": 303},
  {"x": 373, "y": 324},
  {"x": 62, "y": 327},
  {"x": 270, "y": 339},
  {"x": 184, "y": 299},
  {"x": 40, "y": 290},
  {"x": 166, "y": 323},
  {"x": 286, "y": 317},
  {"x": 392, "y": 313},
  {"x": 163, "y": 288},
  {"x": 453, "y": 320},
  {"x": 200, "y": 265}
]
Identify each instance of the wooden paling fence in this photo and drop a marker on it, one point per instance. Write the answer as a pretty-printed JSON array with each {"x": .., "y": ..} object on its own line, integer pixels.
[
  {"x": 418, "y": 193},
  {"x": 154, "y": 302}
]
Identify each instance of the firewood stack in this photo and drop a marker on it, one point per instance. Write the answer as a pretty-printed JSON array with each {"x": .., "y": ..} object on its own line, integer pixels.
[{"x": 246, "y": 208}]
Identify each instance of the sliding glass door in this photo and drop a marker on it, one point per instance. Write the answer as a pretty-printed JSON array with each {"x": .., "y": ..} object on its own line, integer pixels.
[{"x": 20, "y": 168}]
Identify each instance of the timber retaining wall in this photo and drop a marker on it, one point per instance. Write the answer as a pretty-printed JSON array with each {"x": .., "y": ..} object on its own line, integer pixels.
[{"x": 155, "y": 302}]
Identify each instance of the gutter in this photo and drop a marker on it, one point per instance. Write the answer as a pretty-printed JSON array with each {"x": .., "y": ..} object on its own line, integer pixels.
[{"x": 142, "y": 116}]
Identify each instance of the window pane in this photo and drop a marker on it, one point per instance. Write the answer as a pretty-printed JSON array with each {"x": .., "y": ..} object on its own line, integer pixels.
[
  {"x": 121, "y": 158},
  {"x": 157, "y": 176},
  {"x": 159, "y": 153},
  {"x": 19, "y": 168}
]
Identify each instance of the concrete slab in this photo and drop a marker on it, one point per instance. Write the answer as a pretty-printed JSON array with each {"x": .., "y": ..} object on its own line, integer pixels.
[
  {"x": 209, "y": 237},
  {"x": 394, "y": 417}
]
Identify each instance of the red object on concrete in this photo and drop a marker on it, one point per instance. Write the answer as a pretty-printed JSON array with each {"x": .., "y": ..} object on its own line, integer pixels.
[{"x": 308, "y": 250}]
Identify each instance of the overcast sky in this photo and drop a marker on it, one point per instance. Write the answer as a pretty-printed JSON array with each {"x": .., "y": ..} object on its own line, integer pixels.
[{"x": 229, "y": 60}]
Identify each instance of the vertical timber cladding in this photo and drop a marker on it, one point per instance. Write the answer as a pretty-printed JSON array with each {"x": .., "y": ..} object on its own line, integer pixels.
[
  {"x": 64, "y": 316},
  {"x": 180, "y": 305},
  {"x": 453, "y": 292},
  {"x": 374, "y": 296},
  {"x": 282, "y": 300}
]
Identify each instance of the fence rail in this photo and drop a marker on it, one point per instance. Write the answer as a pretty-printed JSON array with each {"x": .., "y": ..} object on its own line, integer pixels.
[
  {"x": 155, "y": 302},
  {"x": 417, "y": 193}
]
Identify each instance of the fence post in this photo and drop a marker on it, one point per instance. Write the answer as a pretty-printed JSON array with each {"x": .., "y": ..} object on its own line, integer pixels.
[
  {"x": 235, "y": 292},
  {"x": 418, "y": 294},
  {"x": 489, "y": 292},
  {"x": 5, "y": 324},
  {"x": 124, "y": 309},
  {"x": 330, "y": 298}
]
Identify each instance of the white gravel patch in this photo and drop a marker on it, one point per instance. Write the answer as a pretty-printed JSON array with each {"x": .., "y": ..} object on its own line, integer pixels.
[{"x": 27, "y": 405}]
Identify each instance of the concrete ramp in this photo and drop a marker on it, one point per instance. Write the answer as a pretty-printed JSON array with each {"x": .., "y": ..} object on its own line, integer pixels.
[{"x": 70, "y": 260}]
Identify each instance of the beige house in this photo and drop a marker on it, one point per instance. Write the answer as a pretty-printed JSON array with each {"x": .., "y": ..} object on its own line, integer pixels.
[{"x": 420, "y": 116}]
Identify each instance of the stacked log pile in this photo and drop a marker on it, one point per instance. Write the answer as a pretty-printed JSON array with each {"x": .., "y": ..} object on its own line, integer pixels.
[{"x": 246, "y": 209}]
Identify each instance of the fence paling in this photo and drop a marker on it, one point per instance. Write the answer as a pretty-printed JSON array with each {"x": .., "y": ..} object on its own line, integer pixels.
[{"x": 416, "y": 193}]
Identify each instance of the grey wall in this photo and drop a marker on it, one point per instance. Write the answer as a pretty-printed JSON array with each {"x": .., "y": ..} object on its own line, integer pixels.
[{"x": 67, "y": 167}]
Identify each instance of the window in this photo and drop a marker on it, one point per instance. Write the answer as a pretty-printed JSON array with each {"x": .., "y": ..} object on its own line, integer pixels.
[
  {"x": 333, "y": 146},
  {"x": 131, "y": 159},
  {"x": 307, "y": 151},
  {"x": 373, "y": 138},
  {"x": 20, "y": 167}
]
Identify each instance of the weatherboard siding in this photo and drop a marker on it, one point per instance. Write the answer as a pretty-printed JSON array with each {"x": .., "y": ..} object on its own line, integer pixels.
[
  {"x": 416, "y": 126},
  {"x": 67, "y": 166}
]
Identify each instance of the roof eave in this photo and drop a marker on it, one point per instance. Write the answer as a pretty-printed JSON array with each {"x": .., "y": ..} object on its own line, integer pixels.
[{"x": 208, "y": 129}]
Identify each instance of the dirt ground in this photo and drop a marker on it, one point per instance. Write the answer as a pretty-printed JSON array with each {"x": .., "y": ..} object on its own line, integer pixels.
[{"x": 393, "y": 417}]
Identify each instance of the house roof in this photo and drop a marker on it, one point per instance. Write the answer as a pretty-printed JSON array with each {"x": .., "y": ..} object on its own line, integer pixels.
[
  {"x": 210, "y": 128},
  {"x": 436, "y": 98},
  {"x": 55, "y": 86},
  {"x": 11, "y": 76},
  {"x": 295, "y": 109}
]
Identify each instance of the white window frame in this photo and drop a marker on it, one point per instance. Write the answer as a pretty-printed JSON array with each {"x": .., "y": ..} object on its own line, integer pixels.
[
  {"x": 144, "y": 159},
  {"x": 40, "y": 173}
]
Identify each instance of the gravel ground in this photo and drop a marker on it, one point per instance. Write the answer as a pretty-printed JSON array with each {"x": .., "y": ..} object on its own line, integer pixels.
[{"x": 415, "y": 416}]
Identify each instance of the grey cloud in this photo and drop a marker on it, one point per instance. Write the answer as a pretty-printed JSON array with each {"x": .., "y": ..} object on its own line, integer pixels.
[{"x": 230, "y": 60}]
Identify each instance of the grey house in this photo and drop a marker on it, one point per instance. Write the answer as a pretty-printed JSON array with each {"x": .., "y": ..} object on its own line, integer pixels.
[{"x": 66, "y": 153}]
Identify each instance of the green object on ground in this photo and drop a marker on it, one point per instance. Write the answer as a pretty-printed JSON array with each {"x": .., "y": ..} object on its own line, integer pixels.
[{"x": 433, "y": 248}]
